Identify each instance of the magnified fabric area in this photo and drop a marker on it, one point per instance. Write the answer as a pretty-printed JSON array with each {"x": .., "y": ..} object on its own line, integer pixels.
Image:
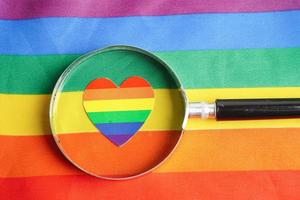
[{"x": 87, "y": 146}]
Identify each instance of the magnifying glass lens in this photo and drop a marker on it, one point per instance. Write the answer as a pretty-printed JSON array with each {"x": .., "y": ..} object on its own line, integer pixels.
[{"x": 117, "y": 113}]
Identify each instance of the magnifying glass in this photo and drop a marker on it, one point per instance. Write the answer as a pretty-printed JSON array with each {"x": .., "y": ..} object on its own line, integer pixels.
[{"x": 119, "y": 112}]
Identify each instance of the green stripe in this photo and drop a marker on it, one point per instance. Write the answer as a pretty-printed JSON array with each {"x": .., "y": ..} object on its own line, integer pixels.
[
  {"x": 196, "y": 69},
  {"x": 31, "y": 74},
  {"x": 119, "y": 116},
  {"x": 118, "y": 65}
]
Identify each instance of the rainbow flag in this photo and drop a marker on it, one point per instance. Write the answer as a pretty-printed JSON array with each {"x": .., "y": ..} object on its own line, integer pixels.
[{"x": 219, "y": 49}]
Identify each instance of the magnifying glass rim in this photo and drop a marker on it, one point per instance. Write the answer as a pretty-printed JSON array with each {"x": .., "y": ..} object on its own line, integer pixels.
[{"x": 83, "y": 58}]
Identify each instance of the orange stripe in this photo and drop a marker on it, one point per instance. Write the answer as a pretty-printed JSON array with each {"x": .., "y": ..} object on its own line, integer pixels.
[
  {"x": 32, "y": 156},
  {"x": 95, "y": 153},
  {"x": 119, "y": 93},
  {"x": 284, "y": 185},
  {"x": 22, "y": 158},
  {"x": 211, "y": 150}
]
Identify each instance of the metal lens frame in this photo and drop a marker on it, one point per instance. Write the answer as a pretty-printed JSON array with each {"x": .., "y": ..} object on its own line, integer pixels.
[{"x": 81, "y": 59}]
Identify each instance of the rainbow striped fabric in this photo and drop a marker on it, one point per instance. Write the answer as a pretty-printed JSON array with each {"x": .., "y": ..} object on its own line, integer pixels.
[
  {"x": 220, "y": 49},
  {"x": 80, "y": 138},
  {"x": 118, "y": 112}
]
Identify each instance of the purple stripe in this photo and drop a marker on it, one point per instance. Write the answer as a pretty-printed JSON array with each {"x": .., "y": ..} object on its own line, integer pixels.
[
  {"x": 15, "y": 9},
  {"x": 119, "y": 133},
  {"x": 119, "y": 128},
  {"x": 119, "y": 139}
]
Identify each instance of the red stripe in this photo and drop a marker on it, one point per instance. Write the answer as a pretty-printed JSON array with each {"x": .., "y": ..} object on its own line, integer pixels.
[
  {"x": 134, "y": 82},
  {"x": 101, "y": 83},
  {"x": 215, "y": 185},
  {"x": 105, "y": 83},
  {"x": 13, "y": 9}
]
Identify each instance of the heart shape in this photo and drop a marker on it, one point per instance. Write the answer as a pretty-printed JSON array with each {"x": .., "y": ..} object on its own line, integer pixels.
[{"x": 118, "y": 112}]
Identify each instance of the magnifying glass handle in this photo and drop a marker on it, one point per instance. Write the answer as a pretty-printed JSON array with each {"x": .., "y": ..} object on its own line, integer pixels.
[{"x": 239, "y": 109}]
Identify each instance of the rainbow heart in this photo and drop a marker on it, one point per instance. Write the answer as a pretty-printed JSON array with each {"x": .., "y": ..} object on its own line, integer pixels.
[{"x": 118, "y": 112}]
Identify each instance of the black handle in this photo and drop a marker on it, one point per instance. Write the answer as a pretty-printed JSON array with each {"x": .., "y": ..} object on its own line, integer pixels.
[{"x": 228, "y": 109}]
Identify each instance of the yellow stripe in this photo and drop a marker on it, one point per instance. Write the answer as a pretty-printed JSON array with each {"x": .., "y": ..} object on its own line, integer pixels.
[
  {"x": 211, "y": 95},
  {"x": 119, "y": 105},
  {"x": 28, "y": 114},
  {"x": 162, "y": 117},
  {"x": 24, "y": 114}
]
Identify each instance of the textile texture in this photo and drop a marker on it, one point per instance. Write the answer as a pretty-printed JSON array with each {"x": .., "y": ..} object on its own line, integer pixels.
[{"x": 218, "y": 49}]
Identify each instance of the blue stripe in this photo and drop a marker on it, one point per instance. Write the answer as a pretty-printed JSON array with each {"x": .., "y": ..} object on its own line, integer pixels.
[
  {"x": 155, "y": 33},
  {"x": 119, "y": 128}
]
